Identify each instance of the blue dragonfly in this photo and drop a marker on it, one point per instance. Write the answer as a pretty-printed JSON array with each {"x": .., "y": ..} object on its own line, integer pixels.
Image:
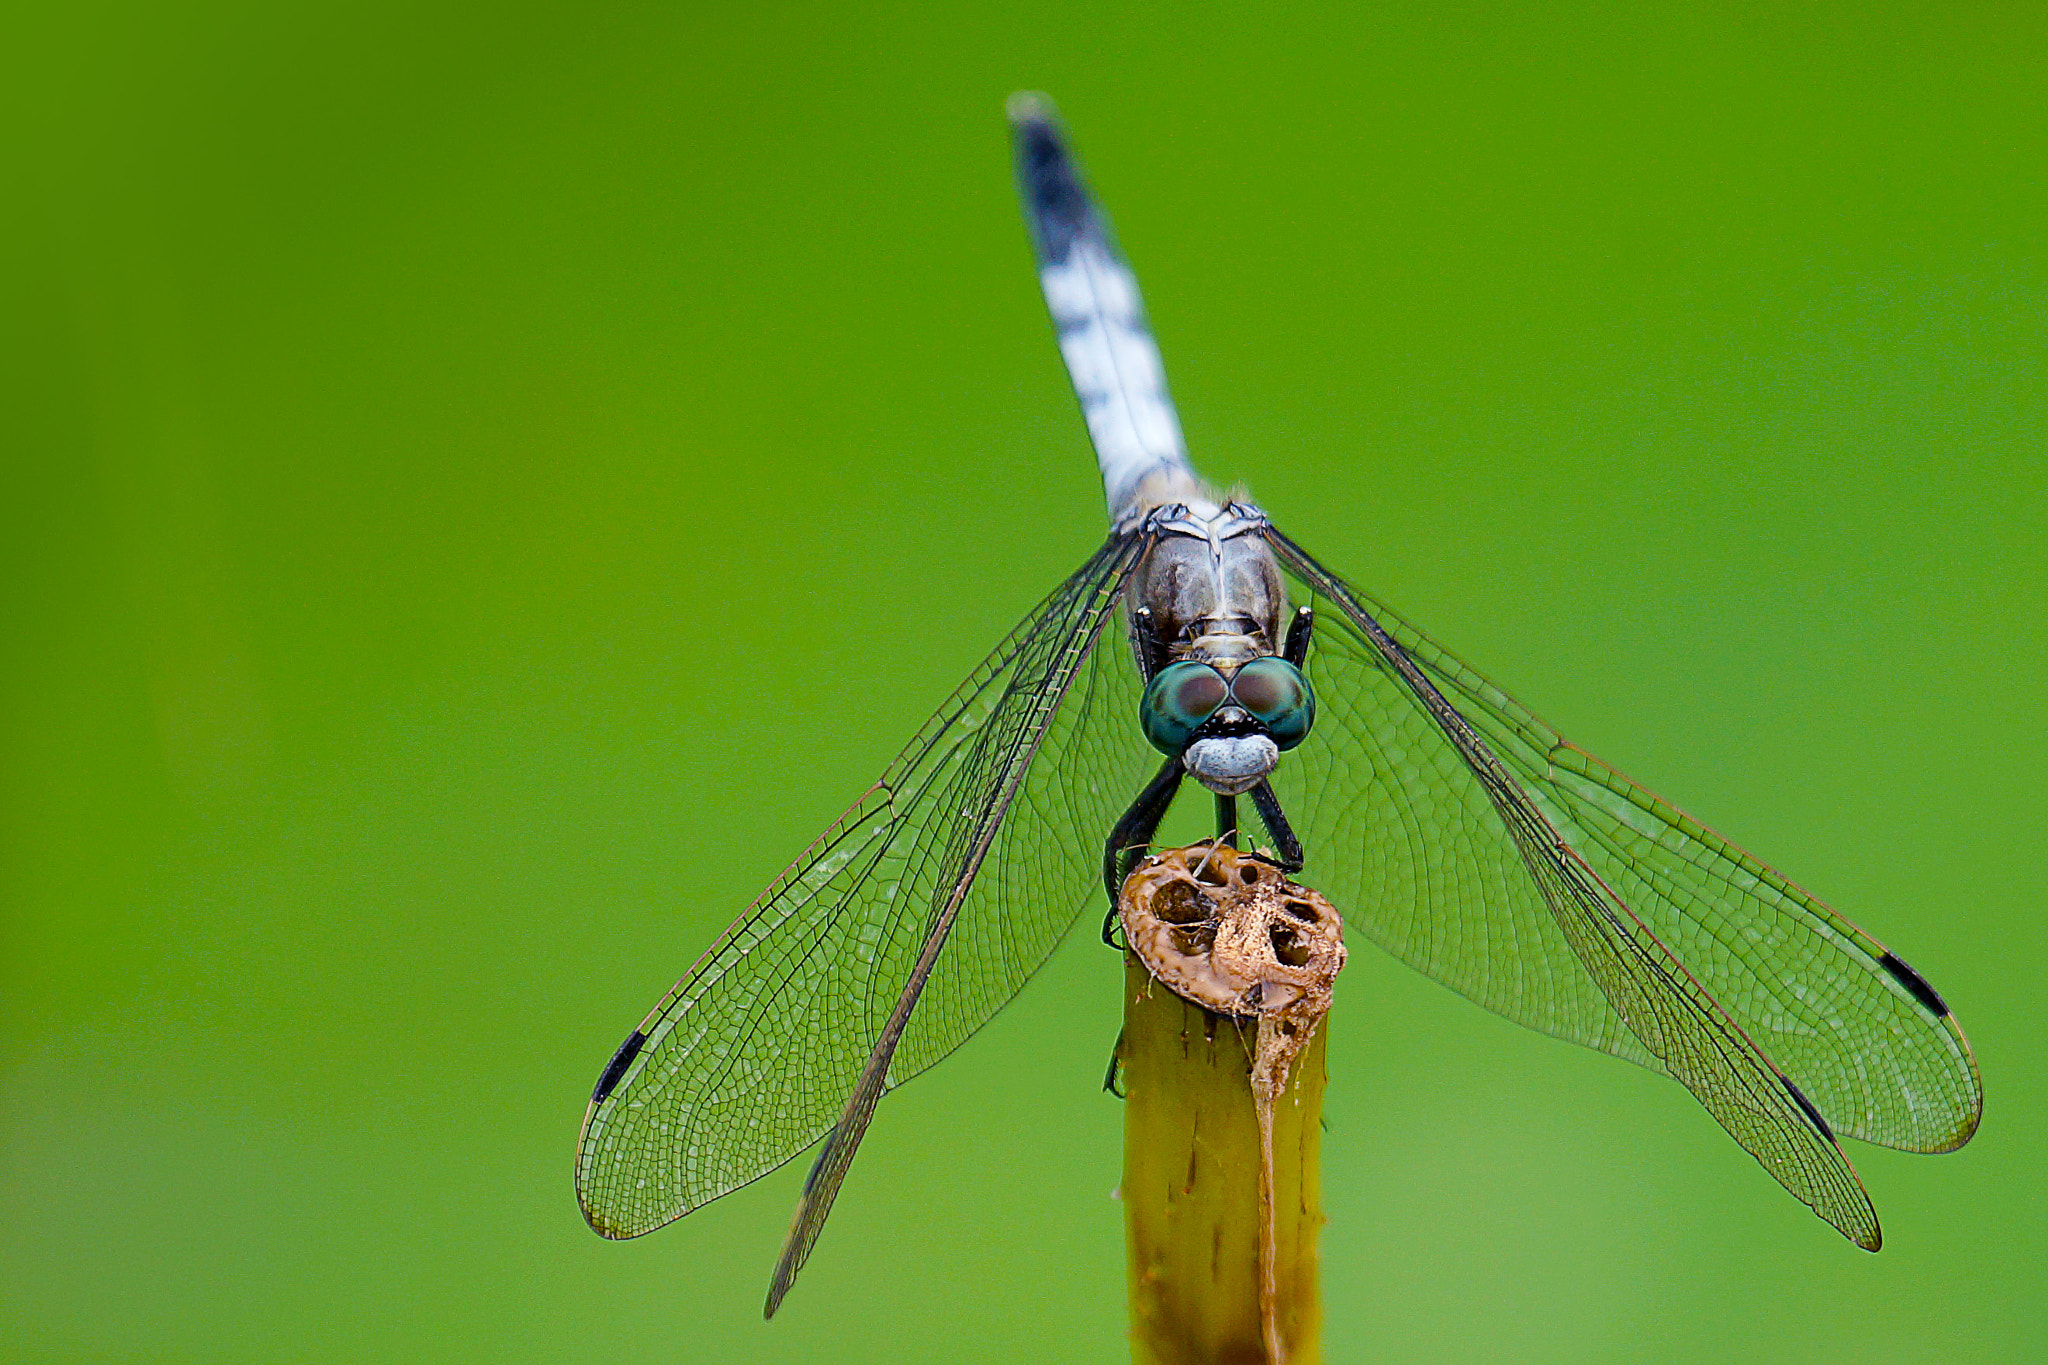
[{"x": 1201, "y": 645}]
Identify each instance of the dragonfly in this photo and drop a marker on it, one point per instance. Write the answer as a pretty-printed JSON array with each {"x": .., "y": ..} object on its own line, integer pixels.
[{"x": 1201, "y": 647}]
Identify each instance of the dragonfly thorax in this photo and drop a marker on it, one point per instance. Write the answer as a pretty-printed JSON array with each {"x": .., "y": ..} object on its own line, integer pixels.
[{"x": 1210, "y": 585}]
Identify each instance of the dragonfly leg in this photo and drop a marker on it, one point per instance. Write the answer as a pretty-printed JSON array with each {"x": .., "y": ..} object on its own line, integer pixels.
[
  {"x": 1285, "y": 845},
  {"x": 1133, "y": 835},
  {"x": 1295, "y": 651},
  {"x": 1113, "y": 1079},
  {"x": 1152, "y": 651},
  {"x": 1226, "y": 819}
]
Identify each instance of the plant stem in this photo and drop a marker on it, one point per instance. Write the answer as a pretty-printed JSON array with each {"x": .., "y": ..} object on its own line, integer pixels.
[{"x": 1221, "y": 1210}]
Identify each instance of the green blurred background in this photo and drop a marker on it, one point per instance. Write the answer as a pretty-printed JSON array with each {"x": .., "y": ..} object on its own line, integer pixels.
[{"x": 487, "y": 484}]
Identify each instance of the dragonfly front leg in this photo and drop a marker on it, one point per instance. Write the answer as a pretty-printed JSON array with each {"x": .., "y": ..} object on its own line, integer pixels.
[
  {"x": 1133, "y": 835},
  {"x": 1153, "y": 654},
  {"x": 1295, "y": 651},
  {"x": 1286, "y": 848}
]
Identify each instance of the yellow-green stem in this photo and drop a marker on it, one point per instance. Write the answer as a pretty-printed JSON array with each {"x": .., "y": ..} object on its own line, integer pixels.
[{"x": 1201, "y": 1245}]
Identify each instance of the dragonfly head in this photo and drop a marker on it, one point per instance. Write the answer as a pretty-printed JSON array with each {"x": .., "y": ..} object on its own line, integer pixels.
[{"x": 1228, "y": 721}]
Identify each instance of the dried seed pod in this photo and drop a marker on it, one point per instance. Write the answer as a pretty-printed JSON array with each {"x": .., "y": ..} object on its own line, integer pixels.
[{"x": 1228, "y": 931}]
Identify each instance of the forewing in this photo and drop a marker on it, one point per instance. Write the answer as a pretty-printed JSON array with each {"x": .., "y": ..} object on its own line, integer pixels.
[
  {"x": 750, "y": 1058},
  {"x": 1045, "y": 865},
  {"x": 1871, "y": 1044},
  {"x": 1429, "y": 842}
]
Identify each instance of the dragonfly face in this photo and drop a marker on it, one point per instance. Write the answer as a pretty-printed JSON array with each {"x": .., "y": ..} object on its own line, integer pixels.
[
  {"x": 1450, "y": 824},
  {"x": 1198, "y": 710}
]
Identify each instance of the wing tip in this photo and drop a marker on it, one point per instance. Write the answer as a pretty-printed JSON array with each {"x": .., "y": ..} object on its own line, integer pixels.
[
  {"x": 1915, "y": 985},
  {"x": 601, "y": 1225},
  {"x": 615, "y": 1069},
  {"x": 1964, "y": 1129},
  {"x": 1806, "y": 1108}
]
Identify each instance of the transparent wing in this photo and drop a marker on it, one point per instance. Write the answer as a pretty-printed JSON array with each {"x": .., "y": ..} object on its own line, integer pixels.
[
  {"x": 753, "y": 1054},
  {"x": 1867, "y": 1039},
  {"x": 1434, "y": 846}
]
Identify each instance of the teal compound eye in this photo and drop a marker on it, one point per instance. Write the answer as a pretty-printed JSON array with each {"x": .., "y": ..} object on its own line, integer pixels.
[
  {"x": 1275, "y": 692},
  {"x": 1176, "y": 702}
]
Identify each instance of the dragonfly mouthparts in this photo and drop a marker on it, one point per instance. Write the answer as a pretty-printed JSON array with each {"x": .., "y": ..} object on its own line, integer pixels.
[{"x": 1230, "y": 765}]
